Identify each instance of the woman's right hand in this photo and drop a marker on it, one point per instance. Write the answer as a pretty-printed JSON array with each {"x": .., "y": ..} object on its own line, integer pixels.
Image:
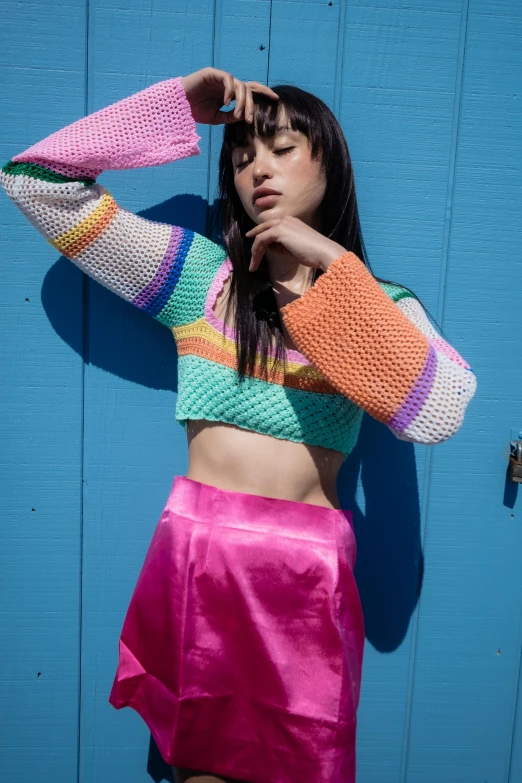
[{"x": 209, "y": 89}]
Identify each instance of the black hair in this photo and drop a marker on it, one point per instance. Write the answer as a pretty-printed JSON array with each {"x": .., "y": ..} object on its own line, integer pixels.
[{"x": 256, "y": 317}]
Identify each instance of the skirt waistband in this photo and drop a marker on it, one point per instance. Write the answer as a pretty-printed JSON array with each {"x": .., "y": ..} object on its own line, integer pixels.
[{"x": 206, "y": 502}]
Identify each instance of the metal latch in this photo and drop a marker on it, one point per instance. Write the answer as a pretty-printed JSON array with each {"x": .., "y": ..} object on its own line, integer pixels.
[{"x": 515, "y": 461}]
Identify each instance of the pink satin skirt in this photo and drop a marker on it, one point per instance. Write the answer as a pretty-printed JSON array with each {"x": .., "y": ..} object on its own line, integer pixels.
[{"x": 242, "y": 646}]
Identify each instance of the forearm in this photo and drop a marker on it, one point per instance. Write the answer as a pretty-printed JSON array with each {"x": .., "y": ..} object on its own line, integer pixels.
[
  {"x": 149, "y": 128},
  {"x": 53, "y": 184},
  {"x": 369, "y": 349}
]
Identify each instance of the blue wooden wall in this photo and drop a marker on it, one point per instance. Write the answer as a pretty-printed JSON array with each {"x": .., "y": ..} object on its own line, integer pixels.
[{"x": 429, "y": 96}]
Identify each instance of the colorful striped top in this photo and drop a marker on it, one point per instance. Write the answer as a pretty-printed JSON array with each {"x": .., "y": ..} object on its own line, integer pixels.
[{"x": 362, "y": 345}]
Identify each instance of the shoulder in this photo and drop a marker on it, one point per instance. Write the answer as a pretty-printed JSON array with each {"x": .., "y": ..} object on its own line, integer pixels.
[
  {"x": 396, "y": 292},
  {"x": 198, "y": 260}
]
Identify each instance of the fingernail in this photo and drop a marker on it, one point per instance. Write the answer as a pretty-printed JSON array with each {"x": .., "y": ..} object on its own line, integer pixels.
[{"x": 250, "y": 117}]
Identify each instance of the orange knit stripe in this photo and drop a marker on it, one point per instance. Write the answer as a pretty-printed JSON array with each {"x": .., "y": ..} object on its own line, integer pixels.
[
  {"x": 73, "y": 242},
  {"x": 358, "y": 338},
  {"x": 300, "y": 379}
]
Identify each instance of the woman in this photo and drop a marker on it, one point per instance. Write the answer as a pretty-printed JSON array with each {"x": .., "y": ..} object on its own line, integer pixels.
[{"x": 243, "y": 642}]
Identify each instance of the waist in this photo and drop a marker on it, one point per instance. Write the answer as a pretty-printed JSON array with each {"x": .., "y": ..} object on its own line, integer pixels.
[
  {"x": 208, "y": 504},
  {"x": 232, "y": 458}
]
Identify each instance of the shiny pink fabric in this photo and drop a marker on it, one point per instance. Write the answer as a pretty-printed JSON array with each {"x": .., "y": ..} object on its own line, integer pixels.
[{"x": 242, "y": 646}]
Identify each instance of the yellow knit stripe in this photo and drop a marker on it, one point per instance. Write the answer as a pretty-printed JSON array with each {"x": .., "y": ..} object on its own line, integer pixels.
[
  {"x": 74, "y": 241},
  {"x": 201, "y": 328}
]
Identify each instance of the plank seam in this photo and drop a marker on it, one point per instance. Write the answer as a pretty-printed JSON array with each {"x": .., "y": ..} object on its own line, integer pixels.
[
  {"x": 85, "y": 350},
  {"x": 339, "y": 59},
  {"x": 269, "y": 43},
  {"x": 216, "y": 40},
  {"x": 427, "y": 473},
  {"x": 510, "y": 751}
]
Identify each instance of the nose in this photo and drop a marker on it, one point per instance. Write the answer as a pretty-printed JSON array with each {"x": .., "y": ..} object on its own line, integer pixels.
[{"x": 262, "y": 166}]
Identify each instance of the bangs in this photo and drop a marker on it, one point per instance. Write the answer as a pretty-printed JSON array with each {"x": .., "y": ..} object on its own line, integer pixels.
[{"x": 269, "y": 116}]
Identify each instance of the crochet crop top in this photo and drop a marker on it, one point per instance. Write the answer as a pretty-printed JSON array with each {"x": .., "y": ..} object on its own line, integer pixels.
[{"x": 363, "y": 345}]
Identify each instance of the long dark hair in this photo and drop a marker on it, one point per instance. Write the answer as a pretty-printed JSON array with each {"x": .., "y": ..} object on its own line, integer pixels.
[{"x": 256, "y": 318}]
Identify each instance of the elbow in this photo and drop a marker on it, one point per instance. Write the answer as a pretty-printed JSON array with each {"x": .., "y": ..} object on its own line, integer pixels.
[{"x": 442, "y": 414}]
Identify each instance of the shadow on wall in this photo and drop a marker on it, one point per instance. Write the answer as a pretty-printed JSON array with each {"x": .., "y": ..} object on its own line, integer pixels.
[
  {"x": 121, "y": 339},
  {"x": 128, "y": 343}
]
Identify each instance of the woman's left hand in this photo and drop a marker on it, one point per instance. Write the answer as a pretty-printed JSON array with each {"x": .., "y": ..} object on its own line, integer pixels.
[{"x": 290, "y": 236}]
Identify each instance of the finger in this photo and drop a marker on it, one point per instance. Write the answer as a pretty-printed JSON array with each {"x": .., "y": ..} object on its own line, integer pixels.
[
  {"x": 259, "y": 247},
  {"x": 249, "y": 105},
  {"x": 228, "y": 81},
  {"x": 224, "y": 118},
  {"x": 240, "y": 99},
  {"x": 258, "y": 87},
  {"x": 262, "y": 227}
]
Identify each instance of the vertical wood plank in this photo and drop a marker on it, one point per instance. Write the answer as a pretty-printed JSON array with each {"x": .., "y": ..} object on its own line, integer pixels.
[
  {"x": 397, "y": 97},
  {"x": 43, "y": 89},
  {"x": 468, "y": 657},
  {"x": 133, "y": 445}
]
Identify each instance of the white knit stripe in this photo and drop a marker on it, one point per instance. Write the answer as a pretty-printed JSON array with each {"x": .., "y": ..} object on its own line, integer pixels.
[
  {"x": 52, "y": 207},
  {"x": 124, "y": 257},
  {"x": 415, "y": 312},
  {"x": 442, "y": 412}
]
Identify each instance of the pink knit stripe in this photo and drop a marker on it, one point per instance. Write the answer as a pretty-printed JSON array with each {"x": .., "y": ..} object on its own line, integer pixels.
[
  {"x": 441, "y": 345},
  {"x": 229, "y": 331},
  {"x": 151, "y": 127}
]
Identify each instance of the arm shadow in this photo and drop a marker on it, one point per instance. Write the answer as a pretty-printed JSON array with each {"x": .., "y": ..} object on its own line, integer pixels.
[
  {"x": 114, "y": 335},
  {"x": 390, "y": 562}
]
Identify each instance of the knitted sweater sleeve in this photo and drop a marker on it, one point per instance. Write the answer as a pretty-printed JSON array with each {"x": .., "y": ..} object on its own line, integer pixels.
[
  {"x": 54, "y": 185},
  {"x": 381, "y": 351}
]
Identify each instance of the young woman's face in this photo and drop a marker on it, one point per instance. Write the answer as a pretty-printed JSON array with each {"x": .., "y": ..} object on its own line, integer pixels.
[{"x": 282, "y": 163}]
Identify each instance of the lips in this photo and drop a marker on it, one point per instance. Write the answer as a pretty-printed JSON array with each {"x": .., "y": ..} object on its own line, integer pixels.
[{"x": 260, "y": 193}]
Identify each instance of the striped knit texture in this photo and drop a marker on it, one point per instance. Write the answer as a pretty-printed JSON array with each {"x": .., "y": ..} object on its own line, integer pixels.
[
  {"x": 378, "y": 348},
  {"x": 360, "y": 345}
]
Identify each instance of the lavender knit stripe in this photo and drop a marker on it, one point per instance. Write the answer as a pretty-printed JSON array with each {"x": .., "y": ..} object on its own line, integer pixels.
[
  {"x": 154, "y": 287},
  {"x": 417, "y": 396}
]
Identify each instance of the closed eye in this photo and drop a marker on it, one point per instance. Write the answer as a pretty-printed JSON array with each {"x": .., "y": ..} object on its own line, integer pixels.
[{"x": 282, "y": 151}]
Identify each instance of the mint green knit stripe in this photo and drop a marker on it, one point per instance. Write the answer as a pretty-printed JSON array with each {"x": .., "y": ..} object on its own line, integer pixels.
[
  {"x": 395, "y": 292},
  {"x": 40, "y": 172},
  {"x": 329, "y": 420},
  {"x": 187, "y": 301}
]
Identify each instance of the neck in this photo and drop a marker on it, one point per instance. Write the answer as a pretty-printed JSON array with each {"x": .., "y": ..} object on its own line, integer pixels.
[{"x": 285, "y": 271}]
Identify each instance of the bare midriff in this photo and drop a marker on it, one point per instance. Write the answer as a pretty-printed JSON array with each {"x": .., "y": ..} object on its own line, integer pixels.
[{"x": 230, "y": 457}]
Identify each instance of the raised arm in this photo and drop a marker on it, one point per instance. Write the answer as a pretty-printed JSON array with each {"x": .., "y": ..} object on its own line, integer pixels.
[
  {"x": 54, "y": 184},
  {"x": 374, "y": 343}
]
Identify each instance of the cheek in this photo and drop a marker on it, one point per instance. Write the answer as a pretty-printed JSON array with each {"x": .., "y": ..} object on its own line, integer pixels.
[
  {"x": 244, "y": 191},
  {"x": 306, "y": 179}
]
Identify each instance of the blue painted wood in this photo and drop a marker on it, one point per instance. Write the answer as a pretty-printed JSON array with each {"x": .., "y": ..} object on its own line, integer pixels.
[
  {"x": 41, "y": 423},
  {"x": 133, "y": 445},
  {"x": 428, "y": 98},
  {"x": 398, "y": 84},
  {"x": 468, "y": 651}
]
